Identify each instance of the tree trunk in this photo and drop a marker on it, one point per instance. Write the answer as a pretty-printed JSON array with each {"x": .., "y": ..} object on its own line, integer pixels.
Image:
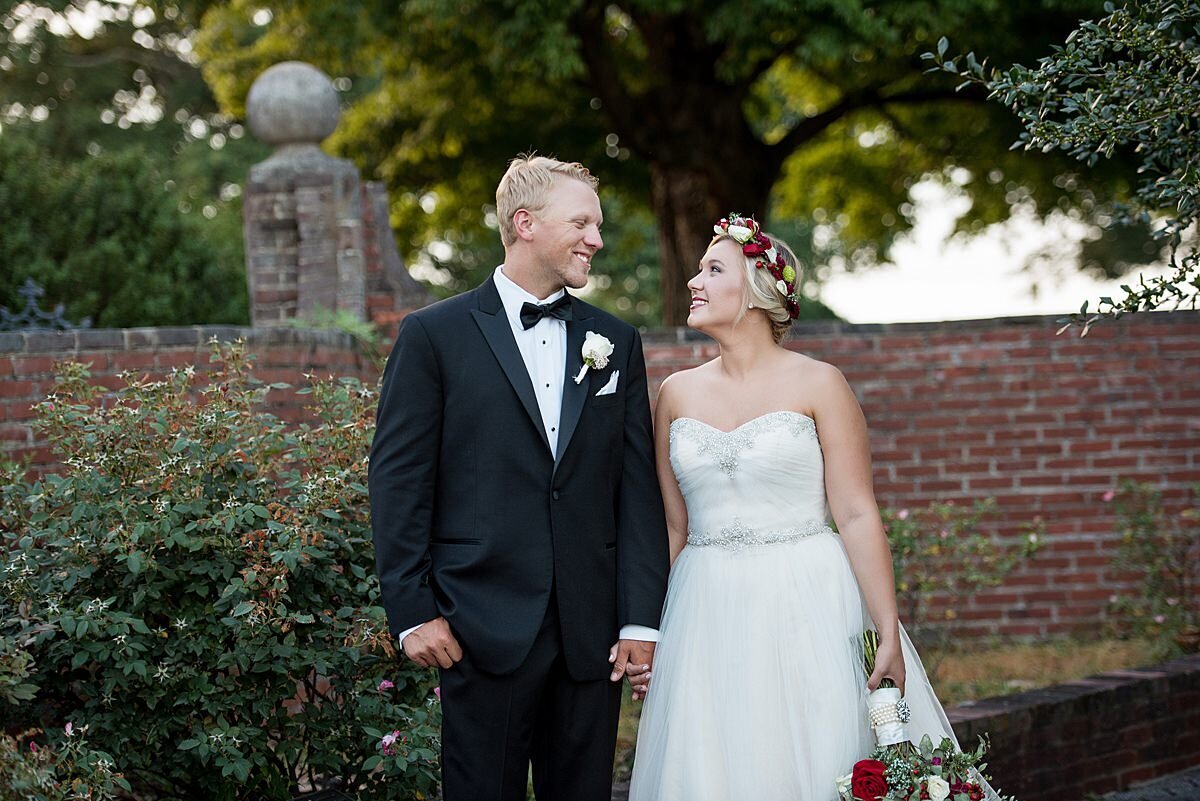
[{"x": 687, "y": 202}]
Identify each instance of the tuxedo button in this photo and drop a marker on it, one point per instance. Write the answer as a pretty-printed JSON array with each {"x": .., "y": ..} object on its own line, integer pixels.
[{"x": 554, "y": 495}]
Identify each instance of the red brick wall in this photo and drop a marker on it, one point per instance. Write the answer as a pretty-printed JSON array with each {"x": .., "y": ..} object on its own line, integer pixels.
[
  {"x": 965, "y": 410},
  {"x": 27, "y": 363},
  {"x": 1096, "y": 735}
]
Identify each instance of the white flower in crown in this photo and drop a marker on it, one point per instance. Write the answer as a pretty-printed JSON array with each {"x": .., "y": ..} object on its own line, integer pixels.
[
  {"x": 741, "y": 233},
  {"x": 595, "y": 352},
  {"x": 781, "y": 285},
  {"x": 938, "y": 788}
]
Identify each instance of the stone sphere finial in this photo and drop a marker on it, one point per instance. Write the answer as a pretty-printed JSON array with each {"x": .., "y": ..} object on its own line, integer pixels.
[{"x": 292, "y": 103}]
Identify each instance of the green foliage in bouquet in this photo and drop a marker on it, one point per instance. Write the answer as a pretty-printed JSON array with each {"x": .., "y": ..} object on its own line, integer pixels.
[
  {"x": 942, "y": 550},
  {"x": 1160, "y": 547},
  {"x": 196, "y": 588}
]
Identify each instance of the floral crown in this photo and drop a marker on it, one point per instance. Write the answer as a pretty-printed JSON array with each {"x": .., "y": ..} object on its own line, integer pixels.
[{"x": 755, "y": 245}]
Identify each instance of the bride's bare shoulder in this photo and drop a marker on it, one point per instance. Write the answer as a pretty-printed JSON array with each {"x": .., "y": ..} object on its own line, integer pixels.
[
  {"x": 689, "y": 379},
  {"x": 813, "y": 371},
  {"x": 684, "y": 383}
]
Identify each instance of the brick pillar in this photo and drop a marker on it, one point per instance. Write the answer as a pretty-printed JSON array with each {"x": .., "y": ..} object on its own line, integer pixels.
[{"x": 303, "y": 209}]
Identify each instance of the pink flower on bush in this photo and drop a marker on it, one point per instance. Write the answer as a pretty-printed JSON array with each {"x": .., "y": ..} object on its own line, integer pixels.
[
  {"x": 902, "y": 514},
  {"x": 385, "y": 685},
  {"x": 388, "y": 743},
  {"x": 1159, "y": 619},
  {"x": 33, "y": 746},
  {"x": 1108, "y": 496},
  {"x": 69, "y": 729},
  {"x": 438, "y": 692}
]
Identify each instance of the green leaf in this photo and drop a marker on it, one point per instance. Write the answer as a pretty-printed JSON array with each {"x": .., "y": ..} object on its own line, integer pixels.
[{"x": 372, "y": 763}]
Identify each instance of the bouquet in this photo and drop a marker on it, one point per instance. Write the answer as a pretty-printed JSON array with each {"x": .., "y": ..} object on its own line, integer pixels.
[
  {"x": 899, "y": 771},
  {"x": 921, "y": 773}
]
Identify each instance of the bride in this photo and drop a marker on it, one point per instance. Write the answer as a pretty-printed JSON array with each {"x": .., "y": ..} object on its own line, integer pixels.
[{"x": 757, "y": 691}]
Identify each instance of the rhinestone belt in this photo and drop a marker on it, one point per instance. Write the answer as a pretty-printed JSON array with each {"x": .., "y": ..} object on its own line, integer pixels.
[{"x": 738, "y": 536}]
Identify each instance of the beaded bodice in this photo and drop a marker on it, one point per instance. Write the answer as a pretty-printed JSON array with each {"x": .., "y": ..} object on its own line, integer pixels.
[{"x": 759, "y": 484}]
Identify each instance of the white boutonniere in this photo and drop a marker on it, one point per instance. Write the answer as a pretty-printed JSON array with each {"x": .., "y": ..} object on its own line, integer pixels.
[{"x": 596, "y": 350}]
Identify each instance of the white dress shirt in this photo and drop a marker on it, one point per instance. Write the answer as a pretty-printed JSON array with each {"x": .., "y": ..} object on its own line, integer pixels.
[{"x": 544, "y": 350}]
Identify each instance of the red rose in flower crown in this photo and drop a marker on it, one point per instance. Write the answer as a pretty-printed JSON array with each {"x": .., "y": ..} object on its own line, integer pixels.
[
  {"x": 757, "y": 245},
  {"x": 866, "y": 780}
]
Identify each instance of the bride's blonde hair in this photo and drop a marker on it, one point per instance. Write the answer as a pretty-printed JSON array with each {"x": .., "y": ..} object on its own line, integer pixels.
[{"x": 760, "y": 289}]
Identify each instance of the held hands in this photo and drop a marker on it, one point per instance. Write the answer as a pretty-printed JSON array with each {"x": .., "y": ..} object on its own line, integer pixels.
[
  {"x": 889, "y": 663},
  {"x": 433, "y": 645},
  {"x": 632, "y": 659}
]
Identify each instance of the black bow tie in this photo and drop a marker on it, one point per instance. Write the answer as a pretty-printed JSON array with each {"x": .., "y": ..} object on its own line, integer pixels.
[{"x": 532, "y": 312}]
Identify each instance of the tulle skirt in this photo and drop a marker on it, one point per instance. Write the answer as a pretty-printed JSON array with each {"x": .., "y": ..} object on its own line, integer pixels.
[{"x": 758, "y": 691}]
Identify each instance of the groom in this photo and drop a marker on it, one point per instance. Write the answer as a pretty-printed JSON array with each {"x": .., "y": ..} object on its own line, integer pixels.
[{"x": 518, "y": 527}]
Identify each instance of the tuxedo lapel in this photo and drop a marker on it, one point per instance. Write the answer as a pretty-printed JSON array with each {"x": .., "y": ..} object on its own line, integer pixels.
[
  {"x": 496, "y": 330},
  {"x": 574, "y": 394}
]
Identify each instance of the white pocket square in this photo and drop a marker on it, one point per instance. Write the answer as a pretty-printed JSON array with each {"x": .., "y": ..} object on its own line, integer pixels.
[{"x": 610, "y": 387}]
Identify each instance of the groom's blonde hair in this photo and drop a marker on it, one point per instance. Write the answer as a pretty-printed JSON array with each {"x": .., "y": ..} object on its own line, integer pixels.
[{"x": 527, "y": 184}]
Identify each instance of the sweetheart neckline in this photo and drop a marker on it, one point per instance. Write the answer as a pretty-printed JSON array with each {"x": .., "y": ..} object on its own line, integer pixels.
[{"x": 737, "y": 428}]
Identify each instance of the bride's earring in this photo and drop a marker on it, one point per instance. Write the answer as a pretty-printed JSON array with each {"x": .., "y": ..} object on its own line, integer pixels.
[{"x": 751, "y": 306}]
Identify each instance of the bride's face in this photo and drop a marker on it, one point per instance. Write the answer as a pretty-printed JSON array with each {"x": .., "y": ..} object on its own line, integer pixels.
[{"x": 718, "y": 289}]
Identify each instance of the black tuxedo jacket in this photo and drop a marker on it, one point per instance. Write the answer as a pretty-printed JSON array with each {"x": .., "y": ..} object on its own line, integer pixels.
[{"x": 475, "y": 519}]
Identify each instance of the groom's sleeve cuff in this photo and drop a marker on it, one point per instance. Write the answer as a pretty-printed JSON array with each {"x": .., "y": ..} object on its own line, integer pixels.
[
  {"x": 643, "y": 633},
  {"x": 400, "y": 637}
]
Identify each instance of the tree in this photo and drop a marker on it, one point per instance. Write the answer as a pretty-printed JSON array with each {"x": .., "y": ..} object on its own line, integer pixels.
[
  {"x": 119, "y": 82},
  {"x": 790, "y": 110},
  {"x": 105, "y": 236},
  {"x": 1127, "y": 84}
]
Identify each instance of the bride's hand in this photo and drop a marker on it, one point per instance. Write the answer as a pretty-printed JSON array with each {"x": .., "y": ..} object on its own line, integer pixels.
[
  {"x": 889, "y": 663},
  {"x": 639, "y": 680}
]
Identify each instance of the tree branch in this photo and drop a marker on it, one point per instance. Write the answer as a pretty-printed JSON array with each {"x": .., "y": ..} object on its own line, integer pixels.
[
  {"x": 146, "y": 58},
  {"x": 812, "y": 127}
]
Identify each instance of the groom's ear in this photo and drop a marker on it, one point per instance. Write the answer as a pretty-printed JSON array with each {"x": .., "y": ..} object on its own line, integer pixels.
[{"x": 523, "y": 223}]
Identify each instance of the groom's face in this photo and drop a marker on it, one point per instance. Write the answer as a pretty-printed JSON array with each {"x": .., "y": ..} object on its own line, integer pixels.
[{"x": 567, "y": 233}]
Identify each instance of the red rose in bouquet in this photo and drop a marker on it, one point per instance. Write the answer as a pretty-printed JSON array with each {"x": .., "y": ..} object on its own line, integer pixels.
[{"x": 866, "y": 780}]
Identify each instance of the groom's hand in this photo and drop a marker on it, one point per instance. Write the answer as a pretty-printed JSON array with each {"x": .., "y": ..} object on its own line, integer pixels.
[
  {"x": 632, "y": 658},
  {"x": 433, "y": 645}
]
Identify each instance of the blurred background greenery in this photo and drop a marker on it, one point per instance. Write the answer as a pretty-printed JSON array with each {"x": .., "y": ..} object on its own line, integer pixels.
[{"x": 122, "y": 146}]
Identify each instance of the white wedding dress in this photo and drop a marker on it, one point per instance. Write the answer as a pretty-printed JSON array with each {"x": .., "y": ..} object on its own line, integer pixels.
[{"x": 758, "y": 693}]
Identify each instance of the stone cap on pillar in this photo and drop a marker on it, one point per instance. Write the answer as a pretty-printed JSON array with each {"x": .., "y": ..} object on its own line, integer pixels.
[{"x": 293, "y": 106}]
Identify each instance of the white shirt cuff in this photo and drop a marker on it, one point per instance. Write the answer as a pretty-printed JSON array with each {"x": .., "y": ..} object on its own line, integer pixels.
[
  {"x": 643, "y": 633},
  {"x": 407, "y": 632}
]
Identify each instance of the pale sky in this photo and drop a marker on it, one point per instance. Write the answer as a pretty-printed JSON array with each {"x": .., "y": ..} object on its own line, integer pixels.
[{"x": 933, "y": 277}]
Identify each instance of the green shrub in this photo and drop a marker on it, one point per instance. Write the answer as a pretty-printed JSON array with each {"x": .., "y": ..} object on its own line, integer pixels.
[
  {"x": 1160, "y": 549},
  {"x": 940, "y": 551},
  {"x": 197, "y": 589},
  {"x": 68, "y": 770}
]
